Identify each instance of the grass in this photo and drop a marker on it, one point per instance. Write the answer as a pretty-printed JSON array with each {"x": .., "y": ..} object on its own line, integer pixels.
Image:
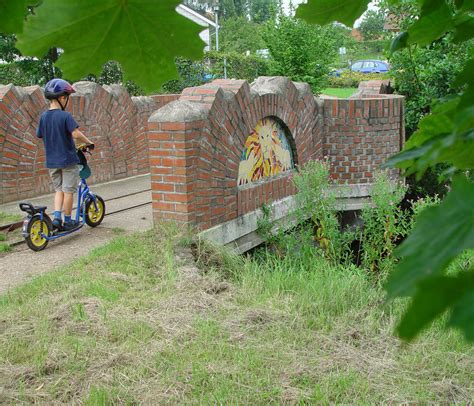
[
  {"x": 4, "y": 247},
  {"x": 137, "y": 322},
  {"x": 342, "y": 92},
  {"x": 6, "y": 218}
]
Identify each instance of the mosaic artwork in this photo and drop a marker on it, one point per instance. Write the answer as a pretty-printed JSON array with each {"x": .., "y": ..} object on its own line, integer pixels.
[{"x": 267, "y": 152}]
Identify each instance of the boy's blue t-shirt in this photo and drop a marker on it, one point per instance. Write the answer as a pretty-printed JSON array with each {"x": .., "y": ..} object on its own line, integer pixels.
[{"x": 55, "y": 128}]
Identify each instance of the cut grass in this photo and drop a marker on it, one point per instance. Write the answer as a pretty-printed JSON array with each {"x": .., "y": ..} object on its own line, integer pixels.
[
  {"x": 136, "y": 322},
  {"x": 342, "y": 92}
]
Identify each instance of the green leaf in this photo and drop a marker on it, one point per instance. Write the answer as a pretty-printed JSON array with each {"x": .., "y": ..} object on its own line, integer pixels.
[
  {"x": 12, "y": 16},
  {"x": 326, "y": 11},
  {"x": 436, "y": 295},
  {"x": 399, "y": 42},
  {"x": 435, "y": 19},
  {"x": 445, "y": 136},
  {"x": 464, "y": 27},
  {"x": 440, "y": 234},
  {"x": 145, "y": 36},
  {"x": 462, "y": 315},
  {"x": 466, "y": 75}
]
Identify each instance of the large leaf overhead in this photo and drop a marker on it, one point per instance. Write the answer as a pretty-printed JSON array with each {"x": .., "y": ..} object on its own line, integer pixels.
[
  {"x": 441, "y": 233},
  {"x": 12, "y": 16},
  {"x": 145, "y": 36},
  {"x": 326, "y": 11}
]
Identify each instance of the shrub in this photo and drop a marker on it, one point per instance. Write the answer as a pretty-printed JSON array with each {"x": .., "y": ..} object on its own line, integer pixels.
[
  {"x": 317, "y": 200},
  {"x": 384, "y": 223},
  {"x": 238, "y": 66},
  {"x": 352, "y": 79}
]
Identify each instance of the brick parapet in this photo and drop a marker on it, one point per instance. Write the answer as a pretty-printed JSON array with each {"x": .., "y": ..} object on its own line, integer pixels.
[
  {"x": 229, "y": 110},
  {"x": 361, "y": 134},
  {"x": 106, "y": 114}
]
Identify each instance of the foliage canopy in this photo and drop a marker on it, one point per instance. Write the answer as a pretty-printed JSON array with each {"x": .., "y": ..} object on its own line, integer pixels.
[{"x": 445, "y": 136}]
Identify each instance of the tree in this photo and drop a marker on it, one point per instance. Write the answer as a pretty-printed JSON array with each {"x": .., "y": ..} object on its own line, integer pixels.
[
  {"x": 240, "y": 35},
  {"x": 301, "y": 51},
  {"x": 25, "y": 71},
  {"x": 371, "y": 26}
]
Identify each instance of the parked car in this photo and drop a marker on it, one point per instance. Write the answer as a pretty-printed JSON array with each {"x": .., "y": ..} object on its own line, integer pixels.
[{"x": 370, "y": 66}]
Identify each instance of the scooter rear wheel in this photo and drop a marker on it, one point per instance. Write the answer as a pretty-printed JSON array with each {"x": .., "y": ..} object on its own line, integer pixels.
[{"x": 36, "y": 226}]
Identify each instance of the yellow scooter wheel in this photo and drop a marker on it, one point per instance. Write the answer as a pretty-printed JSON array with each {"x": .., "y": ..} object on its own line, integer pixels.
[{"x": 36, "y": 231}]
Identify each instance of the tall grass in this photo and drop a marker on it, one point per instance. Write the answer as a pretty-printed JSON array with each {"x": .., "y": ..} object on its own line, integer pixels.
[{"x": 146, "y": 320}]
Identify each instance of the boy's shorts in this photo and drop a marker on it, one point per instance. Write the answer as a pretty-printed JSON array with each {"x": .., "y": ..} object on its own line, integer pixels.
[{"x": 65, "y": 179}]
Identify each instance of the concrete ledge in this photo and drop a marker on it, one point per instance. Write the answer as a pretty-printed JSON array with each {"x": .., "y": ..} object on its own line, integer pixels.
[{"x": 241, "y": 234}]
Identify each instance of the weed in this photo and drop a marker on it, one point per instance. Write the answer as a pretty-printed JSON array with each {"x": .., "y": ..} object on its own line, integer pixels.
[
  {"x": 317, "y": 201},
  {"x": 5, "y": 247},
  {"x": 6, "y": 218},
  {"x": 384, "y": 223},
  {"x": 118, "y": 230}
]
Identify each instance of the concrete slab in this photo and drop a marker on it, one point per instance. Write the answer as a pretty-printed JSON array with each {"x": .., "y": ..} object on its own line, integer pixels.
[{"x": 108, "y": 190}]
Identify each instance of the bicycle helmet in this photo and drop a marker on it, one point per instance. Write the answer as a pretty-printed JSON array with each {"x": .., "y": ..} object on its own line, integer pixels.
[{"x": 56, "y": 88}]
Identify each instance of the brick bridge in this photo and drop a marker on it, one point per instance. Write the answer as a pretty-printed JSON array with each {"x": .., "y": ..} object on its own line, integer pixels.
[{"x": 217, "y": 152}]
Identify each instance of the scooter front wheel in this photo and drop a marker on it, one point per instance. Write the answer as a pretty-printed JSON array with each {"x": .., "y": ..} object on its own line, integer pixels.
[
  {"x": 35, "y": 232},
  {"x": 95, "y": 212}
]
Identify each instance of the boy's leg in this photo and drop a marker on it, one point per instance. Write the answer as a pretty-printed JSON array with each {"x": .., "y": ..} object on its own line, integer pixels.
[
  {"x": 56, "y": 177},
  {"x": 58, "y": 201},
  {"x": 69, "y": 186},
  {"x": 67, "y": 205}
]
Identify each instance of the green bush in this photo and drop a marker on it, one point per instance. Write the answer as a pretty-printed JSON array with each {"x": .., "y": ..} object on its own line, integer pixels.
[
  {"x": 317, "y": 200},
  {"x": 238, "y": 66},
  {"x": 352, "y": 79}
]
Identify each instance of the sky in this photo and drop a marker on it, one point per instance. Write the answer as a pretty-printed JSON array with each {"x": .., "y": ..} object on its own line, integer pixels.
[{"x": 286, "y": 4}]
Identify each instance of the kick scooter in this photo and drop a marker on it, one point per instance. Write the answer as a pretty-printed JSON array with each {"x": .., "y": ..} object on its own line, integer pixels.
[{"x": 38, "y": 228}]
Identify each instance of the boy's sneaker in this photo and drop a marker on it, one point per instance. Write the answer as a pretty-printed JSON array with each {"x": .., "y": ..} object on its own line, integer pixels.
[
  {"x": 57, "y": 223},
  {"x": 70, "y": 225}
]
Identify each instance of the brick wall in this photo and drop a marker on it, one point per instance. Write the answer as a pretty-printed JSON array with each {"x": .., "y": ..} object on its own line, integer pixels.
[
  {"x": 192, "y": 143},
  {"x": 361, "y": 134},
  {"x": 196, "y": 144},
  {"x": 116, "y": 122},
  {"x": 163, "y": 99}
]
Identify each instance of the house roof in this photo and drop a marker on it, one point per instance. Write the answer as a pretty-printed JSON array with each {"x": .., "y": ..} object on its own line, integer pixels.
[{"x": 195, "y": 16}]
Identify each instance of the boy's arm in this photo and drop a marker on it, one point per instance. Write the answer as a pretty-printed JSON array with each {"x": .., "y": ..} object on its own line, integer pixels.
[{"x": 80, "y": 137}]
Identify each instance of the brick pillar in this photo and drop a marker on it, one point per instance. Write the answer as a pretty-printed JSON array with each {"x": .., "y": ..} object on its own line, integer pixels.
[{"x": 173, "y": 133}]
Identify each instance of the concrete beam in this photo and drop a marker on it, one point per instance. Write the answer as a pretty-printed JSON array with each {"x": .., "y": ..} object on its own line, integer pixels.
[{"x": 241, "y": 234}]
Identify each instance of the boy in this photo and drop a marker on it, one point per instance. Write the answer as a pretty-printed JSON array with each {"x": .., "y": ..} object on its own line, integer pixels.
[{"x": 59, "y": 130}]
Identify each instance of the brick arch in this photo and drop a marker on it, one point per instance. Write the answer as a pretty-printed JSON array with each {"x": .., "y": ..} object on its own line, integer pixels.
[{"x": 196, "y": 143}]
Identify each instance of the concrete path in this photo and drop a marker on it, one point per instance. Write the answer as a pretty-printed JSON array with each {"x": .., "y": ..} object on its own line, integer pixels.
[{"x": 21, "y": 264}]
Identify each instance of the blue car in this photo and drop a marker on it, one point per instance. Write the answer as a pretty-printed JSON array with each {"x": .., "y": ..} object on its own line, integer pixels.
[{"x": 370, "y": 66}]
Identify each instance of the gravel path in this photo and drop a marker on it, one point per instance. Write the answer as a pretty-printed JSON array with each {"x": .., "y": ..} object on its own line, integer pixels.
[{"x": 22, "y": 264}]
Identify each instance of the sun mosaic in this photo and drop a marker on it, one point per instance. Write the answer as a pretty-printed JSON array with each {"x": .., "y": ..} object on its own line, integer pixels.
[{"x": 267, "y": 152}]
